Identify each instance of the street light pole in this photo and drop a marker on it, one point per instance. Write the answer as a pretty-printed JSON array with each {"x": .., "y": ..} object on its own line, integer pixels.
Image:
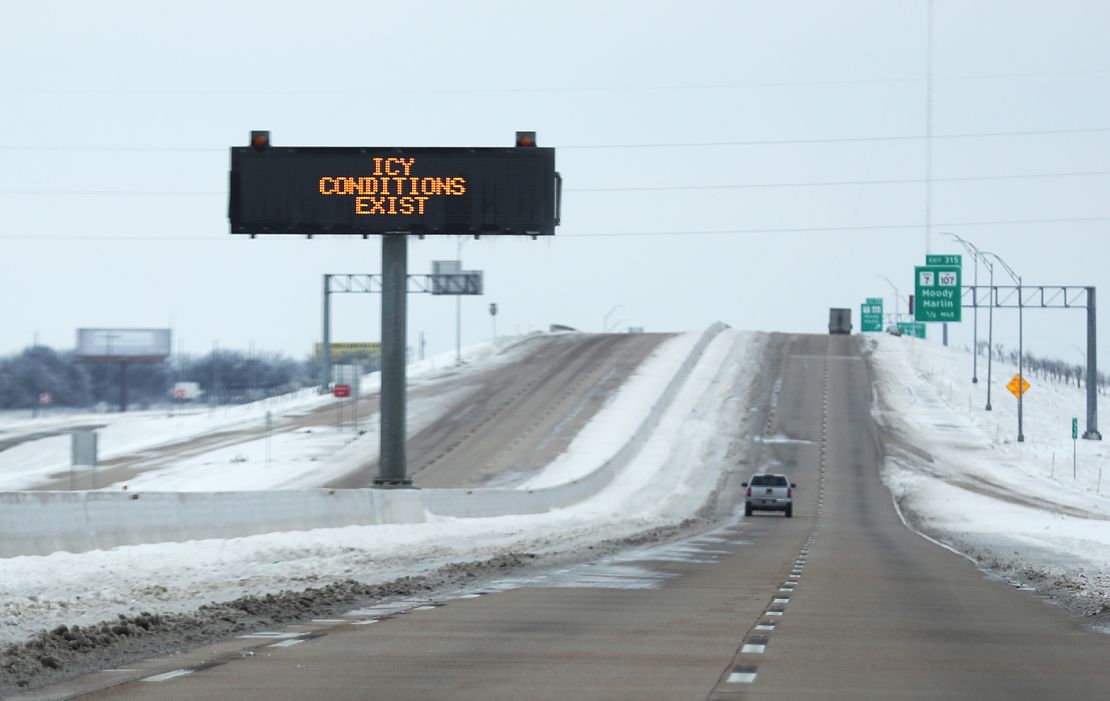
[
  {"x": 1021, "y": 350},
  {"x": 895, "y": 288},
  {"x": 990, "y": 330},
  {"x": 975, "y": 254},
  {"x": 605, "y": 319}
]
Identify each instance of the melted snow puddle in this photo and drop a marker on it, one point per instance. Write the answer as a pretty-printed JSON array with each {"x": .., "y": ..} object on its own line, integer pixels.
[{"x": 631, "y": 569}]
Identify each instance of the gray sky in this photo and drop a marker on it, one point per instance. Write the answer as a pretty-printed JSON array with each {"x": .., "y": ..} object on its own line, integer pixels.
[{"x": 117, "y": 117}]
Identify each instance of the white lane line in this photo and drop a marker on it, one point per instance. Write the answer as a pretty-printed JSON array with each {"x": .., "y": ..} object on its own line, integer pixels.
[
  {"x": 270, "y": 635},
  {"x": 781, "y": 601},
  {"x": 329, "y": 620},
  {"x": 365, "y": 623},
  {"x": 740, "y": 678},
  {"x": 753, "y": 649},
  {"x": 118, "y": 670},
  {"x": 286, "y": 643},
  {"x": 774, "y": 613},
  {"x": 764, "y": 626},
  {"x": 167, "y": 675}
]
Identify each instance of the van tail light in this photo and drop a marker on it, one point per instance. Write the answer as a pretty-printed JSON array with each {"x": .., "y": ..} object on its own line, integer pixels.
[
  {"x": 790, "y": 492},
  {"x": 749, "y": 491}
]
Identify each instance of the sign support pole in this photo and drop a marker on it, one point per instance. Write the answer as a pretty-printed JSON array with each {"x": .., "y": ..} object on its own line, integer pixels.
[
  {"x": 1092, "y": 434},
  {"x": 325, "y": 350},
  {"x": 391, "y": 466}
]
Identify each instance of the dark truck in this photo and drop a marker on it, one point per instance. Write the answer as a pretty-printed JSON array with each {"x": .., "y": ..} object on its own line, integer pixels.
[{"x": 840, "y": 320}]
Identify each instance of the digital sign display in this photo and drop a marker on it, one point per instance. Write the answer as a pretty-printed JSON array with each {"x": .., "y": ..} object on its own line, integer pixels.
[{"x": 364, "y": 191}]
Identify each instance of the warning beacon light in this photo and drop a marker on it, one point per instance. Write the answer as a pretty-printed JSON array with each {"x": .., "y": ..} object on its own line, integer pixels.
[
  {"x": 260, "y": 140},
  {"x": 525, "y": 139}
]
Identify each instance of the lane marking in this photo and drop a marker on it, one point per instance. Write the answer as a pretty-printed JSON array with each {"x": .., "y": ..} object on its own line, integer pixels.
[
  {"x": 329, "y": 620},
  {"x": 167, "y": 675},
  {"x": 741, "y": 675},
  {"x": 287, "y": 643},
  {"x": 765, "y": 626},
  {"x": 751, "y": 649},
  {"x": 365, "y": 623},
  {"x": 781, "y": 601},
  {"x": 270, "y": 635}
]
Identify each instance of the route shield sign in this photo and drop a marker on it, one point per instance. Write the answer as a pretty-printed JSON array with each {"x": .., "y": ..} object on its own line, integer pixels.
[
  {"x": 1018, "y": 386},
  {"x": 937, "y": 290},
  {"x": 871, "y": 314}
]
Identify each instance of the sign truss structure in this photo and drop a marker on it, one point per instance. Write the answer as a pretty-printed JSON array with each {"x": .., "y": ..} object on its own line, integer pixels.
[
  {"x": 469, "y": 282},
  {"x": 1048, "y": 297},
  {"x": 1013, "y": 297}
]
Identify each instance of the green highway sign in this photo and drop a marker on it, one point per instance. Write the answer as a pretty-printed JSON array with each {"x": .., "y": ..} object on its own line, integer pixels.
[
  {"x": 912, "y": 328},
  {"x": 1074, "y": 428},
  {"x": 937, "y": 292},
  {"x": 871, "y": 314}
]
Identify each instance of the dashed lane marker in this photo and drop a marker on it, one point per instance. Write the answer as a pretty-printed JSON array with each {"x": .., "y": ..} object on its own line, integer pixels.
[
  {"x": 165, "y": 676},
  {"x": 287, "y": 643},
  {"x": 741, "y": 675}
]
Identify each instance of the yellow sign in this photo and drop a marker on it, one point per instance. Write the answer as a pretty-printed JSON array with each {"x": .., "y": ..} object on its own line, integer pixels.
[
  {"x": 342, "y": 351},
  {"x": 1018, "y": 386}
]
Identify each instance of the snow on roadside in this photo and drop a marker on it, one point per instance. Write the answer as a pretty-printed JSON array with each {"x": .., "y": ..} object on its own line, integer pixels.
[
  {"x": 33, "y": 462},
  {"x": 687, "y": 452},
  {"x": 959, "y": 475}
]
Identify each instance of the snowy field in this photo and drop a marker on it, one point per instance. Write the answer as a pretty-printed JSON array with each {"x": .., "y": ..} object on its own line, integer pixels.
[
  {"x": 960, "y": 476},
  {"x": 39, "y": 593},
  {"x": 288, "y": 460}
]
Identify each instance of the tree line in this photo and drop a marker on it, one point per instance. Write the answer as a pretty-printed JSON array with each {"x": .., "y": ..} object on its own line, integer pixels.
[
  {"x": 1050, "y": 369},
  {"x": 226, "y": 376}
]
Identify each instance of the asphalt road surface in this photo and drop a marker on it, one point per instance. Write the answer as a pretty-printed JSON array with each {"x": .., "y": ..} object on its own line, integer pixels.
[{"x": 839, "y": 602}]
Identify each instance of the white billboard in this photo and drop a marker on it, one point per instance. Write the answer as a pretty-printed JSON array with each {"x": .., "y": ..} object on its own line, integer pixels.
[{"x": 152, "y": 345}]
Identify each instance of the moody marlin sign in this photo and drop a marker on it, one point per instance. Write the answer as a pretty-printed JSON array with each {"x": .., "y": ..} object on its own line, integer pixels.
[{"x": 418, "y": 191}]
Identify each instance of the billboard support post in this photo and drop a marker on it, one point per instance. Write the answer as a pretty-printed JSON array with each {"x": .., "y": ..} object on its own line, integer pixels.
[
  {"x": 391, "y": 466},
  {"x": 325, "y": 355}
]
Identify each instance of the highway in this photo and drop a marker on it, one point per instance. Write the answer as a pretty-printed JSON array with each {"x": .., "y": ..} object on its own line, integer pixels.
[
  {"x": 840, "y": 602},
  {"x": 532, "y": 407}
]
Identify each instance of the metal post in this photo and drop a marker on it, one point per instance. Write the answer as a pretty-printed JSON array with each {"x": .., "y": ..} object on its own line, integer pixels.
[
  {"x": 392, "y": 468},
  {"x": 325, "y": 349},
  {"x": 1021, "y": 364},
  {"x": 990, "y": 336},
  {"x": 123, "y": 387},
  {"x": 458, "y": 330},
  {"x": 975, "y": 326},
  {"x": 1092, "y": 434}
]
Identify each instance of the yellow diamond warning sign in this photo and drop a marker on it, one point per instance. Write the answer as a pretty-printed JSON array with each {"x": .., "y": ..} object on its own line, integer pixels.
[{"x": 1018, "y": 386}]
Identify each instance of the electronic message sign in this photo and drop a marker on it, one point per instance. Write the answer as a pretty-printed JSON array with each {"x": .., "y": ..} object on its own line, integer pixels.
[{"x": 366, "y": 191}]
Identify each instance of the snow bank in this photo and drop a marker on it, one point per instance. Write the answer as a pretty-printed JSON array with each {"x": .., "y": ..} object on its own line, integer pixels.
[
  {"x": 676, "y": 471},
  {"x": 959, "y": 474},
  {"x": 243, "y": 466}
]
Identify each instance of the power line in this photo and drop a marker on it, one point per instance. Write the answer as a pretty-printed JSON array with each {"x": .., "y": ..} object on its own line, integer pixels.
[
  {"x": 584, "y": 147},
  {"x": 534, "y": 89},
  {"x": 630, "y": 188},
  {"x": 612, "y": 234}
]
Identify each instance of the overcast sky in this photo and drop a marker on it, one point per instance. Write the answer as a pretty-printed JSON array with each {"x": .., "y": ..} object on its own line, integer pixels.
[{"x": 117, "y": 118}]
